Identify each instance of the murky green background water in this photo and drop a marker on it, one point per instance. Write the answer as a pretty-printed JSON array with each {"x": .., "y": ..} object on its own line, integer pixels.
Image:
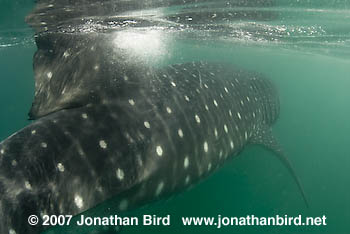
[{"x": 310, "y": 66}]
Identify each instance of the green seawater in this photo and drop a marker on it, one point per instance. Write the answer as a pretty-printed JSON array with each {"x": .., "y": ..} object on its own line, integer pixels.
[{"x": 310, "y": 66}]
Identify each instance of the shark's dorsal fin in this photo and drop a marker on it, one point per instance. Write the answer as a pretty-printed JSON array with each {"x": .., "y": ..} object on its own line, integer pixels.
[{"x": 265, "y": 138}]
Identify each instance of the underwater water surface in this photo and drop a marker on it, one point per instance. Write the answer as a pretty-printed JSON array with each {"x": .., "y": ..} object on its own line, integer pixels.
[{"x": 302, "y": 46}]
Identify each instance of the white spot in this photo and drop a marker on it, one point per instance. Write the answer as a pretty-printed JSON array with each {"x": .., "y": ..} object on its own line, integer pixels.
[
  {"x": 43, "y": 144},
  {"x": 226, "y": 90},
  {"x": 242, "y": 103},
  {"x": 130, "y": 139},
  {"x": 139, "y": 160},
  {"x": 66, "y": 54},
  {"x": 248, "y": 99},
  {"x": 27, "y": 185},
  {"x": 230, "y": 113},
  {"x": 180, "y": 132},
  {"x": 209, "y": 166},
  {"x": 205, "y": 146},
  {"x": 215, "y": 103},
  {"x": 96, "y": 67},
  {"x": 225, "y": 128},
  {"x": 246, "y": 135},
  {"x": 187, "y": 180},
  {"x": 159, "y": 188},
  {"x": 253, "y": 114},
  {"x": 123, "y": 205},
  {"x": 220, "y": 154},
  {"x": 205, "y": 85},
  {"x": 206, "y": 107},
  {"x": 49, "y": 75},
  {"x": 187, "y": 98},
  {"x": 78, "y": 200},
  {"x": 216, "y": 133},
  {"x": 11, "y": 231},
  {"x": 239, "y": 115},
  {"x": 33, "y": 132},
  {"x": 147, "y": 125},
  {"x": 173, "y": 84},
  {"x": 168, "y": 110},
  {"x": 159, "y": 151},
  {"x": 80, "y": 151},
  {"x": 2, "y": 151},
  {"x": 103, "y": 144},
  {"x": 84, "y": 116},
  {"x": 232, "y": 145},
  {"x": 141, "y": 136},
  {"x": 126, "y": 78},
  {"x": 14, "y": 163},
  {"x": 99, "y": 188},
  {"x": 186, "y": 162},
  {"x": 198, "y": 120},
  {"x": 60, "y": 167},
  {"x": 132, "y": 102},
  {"x": 197, "y": 90},
  {"x": 120, "y": 174},
  {"x": 43, "y": 213}
]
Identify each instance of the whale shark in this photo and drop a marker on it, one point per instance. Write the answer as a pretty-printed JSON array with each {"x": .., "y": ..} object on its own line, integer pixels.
[
  {"x": 109, "y": 125},
  {"x": 145, "y": 137}
]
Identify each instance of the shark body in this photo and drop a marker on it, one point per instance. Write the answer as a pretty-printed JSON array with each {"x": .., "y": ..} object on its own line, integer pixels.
[
  {"x": 153, "y": 138},
  {"x": 109, "y": 127}
]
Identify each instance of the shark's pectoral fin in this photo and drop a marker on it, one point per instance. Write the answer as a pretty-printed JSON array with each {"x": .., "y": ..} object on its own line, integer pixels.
[{"x": 265, "y": 138}]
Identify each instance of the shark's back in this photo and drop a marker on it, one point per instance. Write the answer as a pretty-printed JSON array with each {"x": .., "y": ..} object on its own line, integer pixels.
[{"x": 113, "y": 125}]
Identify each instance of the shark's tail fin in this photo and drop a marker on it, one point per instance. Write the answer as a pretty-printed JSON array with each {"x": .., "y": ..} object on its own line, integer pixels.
[
  {"x": 265, "y": 138},
  {"x": 282, "y": 157}
]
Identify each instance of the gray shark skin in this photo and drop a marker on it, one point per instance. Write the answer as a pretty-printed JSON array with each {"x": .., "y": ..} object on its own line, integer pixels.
[
  {"x": 109, "y": 125},
  {"x": 162, "y": 134}
]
